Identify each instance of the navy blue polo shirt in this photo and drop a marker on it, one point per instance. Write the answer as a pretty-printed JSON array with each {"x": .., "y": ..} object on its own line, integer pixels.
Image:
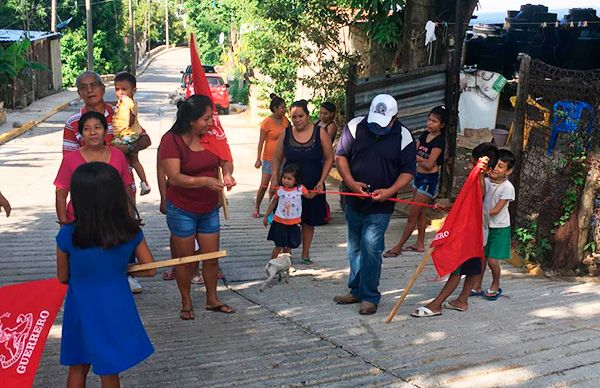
[{"x": 376, "y": 160}]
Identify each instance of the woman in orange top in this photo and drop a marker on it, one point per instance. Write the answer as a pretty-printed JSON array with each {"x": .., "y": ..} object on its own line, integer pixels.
[{"x": 270, "y": 129}]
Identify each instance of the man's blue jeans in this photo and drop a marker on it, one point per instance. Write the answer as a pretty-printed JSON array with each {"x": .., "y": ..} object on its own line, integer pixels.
[{"x": 365, "y": 245}]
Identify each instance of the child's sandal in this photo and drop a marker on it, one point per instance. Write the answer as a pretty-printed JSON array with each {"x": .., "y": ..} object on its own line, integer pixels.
[{"x": 187, "y": 315}]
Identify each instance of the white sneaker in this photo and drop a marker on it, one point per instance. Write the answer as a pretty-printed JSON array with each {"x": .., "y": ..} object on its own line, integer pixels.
[
  {"x": 145, "y": 189},
  {"x": 134, "y": 285}
]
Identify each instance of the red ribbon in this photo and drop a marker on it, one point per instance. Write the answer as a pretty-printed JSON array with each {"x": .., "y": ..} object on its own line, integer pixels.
[{"x": 369, "y": 196}]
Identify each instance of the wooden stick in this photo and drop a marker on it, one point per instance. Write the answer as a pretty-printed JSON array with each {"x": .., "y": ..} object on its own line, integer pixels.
[
  {"x": 411, "y": 283},
  {"x": 223, "y": 196},
  {"x": 177, "y": 261}
]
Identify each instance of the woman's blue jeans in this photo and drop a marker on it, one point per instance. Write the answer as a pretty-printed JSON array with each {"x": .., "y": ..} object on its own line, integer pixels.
[{"x": 366, "y": 233}]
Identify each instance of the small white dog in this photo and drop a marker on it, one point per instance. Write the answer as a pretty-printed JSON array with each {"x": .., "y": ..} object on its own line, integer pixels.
[{"x": 278, "y": 266}]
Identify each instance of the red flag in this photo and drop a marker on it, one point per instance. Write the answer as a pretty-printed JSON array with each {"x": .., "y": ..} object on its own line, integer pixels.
[
  {"x": 27, "y": 312},
  {"x": 461, "y": 236},
  {"x": 215, "y": 141}
]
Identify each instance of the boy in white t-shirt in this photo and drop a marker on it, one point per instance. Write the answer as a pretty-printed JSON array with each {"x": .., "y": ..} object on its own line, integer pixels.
[{"x": 498, "y": 193}]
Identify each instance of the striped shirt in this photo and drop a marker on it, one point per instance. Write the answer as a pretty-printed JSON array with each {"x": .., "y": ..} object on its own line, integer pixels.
[{"x": 72, "y": 139}]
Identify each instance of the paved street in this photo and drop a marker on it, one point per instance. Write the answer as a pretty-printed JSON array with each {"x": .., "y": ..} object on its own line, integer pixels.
[{"x": 545, "y": 333}]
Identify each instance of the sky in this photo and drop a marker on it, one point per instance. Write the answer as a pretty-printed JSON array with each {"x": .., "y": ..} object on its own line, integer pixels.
[{"x": 491, "y": 6}]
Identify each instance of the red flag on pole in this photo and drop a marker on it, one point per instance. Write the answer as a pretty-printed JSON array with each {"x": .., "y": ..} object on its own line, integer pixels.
[
  {"x": 215, "y": 141},
  {"x": 27, "y": 312},
  {"x": 461, "y": 236}
]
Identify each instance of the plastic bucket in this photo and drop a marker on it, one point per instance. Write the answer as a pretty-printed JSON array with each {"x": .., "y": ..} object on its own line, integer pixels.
[{"x": 500, "y": 136}]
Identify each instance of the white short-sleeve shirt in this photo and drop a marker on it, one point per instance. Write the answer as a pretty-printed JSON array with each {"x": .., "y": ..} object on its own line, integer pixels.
[{"x": 494, "y": 192}]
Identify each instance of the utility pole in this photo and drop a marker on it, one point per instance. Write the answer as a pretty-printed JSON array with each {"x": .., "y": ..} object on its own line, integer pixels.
[
  {"x": 90, "y": 35},
  {"x": 53, "y": 16},
  {"x": 167, "y": 23},
  {"x": 132, "y": 46}
]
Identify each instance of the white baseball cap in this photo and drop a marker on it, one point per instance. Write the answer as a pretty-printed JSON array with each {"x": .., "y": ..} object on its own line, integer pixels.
[{"x": 383, "y": 108}]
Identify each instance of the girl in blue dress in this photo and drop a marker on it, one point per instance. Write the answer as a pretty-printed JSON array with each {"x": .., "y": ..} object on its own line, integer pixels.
[{"x": 101, "y": 325}]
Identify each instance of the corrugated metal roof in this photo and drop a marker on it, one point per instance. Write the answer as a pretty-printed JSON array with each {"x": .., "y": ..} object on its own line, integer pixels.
[{"x": 14, "y": 35}]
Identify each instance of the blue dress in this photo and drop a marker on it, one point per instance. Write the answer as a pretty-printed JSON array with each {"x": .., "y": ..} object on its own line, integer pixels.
[
  {"x": 309, "y": 158},
  {"x": 101, "y": 324}
]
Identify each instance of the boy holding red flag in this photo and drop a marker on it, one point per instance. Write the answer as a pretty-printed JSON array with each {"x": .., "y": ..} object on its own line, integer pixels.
[{"x": 462, "y": 255}]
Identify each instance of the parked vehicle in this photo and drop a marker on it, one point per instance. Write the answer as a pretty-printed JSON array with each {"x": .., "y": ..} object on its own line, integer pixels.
[
  {"x": 218, "y": 87},
  {"x": 187, "y": 73}
]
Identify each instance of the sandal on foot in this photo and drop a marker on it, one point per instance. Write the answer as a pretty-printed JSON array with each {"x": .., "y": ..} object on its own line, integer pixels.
[
  {"x": 424, "y": 312},
  {"x": 412, "y": 248},
  {"x": 450, "y": 306},
  {"x": 390, "y": 253},
  {"x": 222, "y": 308},
  {"x": 187, "y": 315},
  {"x": 476, "y": 293},
  {"x": 492, "y": 295},
  {"x": 198, "y": 279},
  {"x": 307, "y": 261},
  {"x": 168, "y": 275}
]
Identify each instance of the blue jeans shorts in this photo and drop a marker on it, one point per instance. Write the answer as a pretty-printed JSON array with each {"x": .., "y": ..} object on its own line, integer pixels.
[
  {"x": 427, "y": 184},
  {"x": 267, "y": 167},
  {"x": 182, "y": 223}
]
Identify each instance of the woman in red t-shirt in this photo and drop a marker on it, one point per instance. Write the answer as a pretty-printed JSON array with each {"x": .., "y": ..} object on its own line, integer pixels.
[{"x": 193, "y": 198}]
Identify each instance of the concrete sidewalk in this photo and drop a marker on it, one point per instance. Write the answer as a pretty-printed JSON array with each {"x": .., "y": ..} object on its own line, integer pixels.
[{"x": 22, "y": 120}]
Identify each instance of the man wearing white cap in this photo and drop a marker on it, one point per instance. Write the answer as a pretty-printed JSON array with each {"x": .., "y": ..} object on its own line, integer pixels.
[{"x": 376, "y": 156}]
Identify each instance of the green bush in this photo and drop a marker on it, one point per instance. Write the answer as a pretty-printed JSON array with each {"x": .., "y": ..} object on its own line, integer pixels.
[
  {"x": 108, "y": 59},
  {"x": 237, "y": 94}
]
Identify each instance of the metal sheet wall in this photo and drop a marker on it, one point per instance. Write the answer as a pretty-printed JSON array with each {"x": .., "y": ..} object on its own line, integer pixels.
[{"x": 416, "y": 92}]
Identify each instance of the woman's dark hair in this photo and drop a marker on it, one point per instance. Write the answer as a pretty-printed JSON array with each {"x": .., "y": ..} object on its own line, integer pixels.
[
  {"x": 301, "y": 104},
  {"x": 91, "y": 115},
  {"x": 294, "y": 170},
  {"x": 330, "y": 106},
  {"x": 190, "y": 110},
  {"x": 102, "y": 207},
  {"x": 276, "y": 102},
  {"x": 441, "y": 112}
]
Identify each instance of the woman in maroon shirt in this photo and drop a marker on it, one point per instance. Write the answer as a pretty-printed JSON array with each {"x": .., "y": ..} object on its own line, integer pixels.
[{"x": 192, "y": 198}]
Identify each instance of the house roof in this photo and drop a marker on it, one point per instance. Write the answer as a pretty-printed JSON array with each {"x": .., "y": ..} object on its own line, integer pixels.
[{"x": 14, "y": 35}]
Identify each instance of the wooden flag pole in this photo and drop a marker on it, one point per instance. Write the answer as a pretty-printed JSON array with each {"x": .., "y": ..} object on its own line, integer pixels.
[
  {"x": 177, "y": 261},
  {"x": 411, "y": 283},
  {"x": 223, "y": 196}
]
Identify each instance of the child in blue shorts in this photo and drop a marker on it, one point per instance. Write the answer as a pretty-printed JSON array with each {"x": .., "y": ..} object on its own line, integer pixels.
[
  {"x": 499, "y": 192},
  {"x": 471, "y": 268}
]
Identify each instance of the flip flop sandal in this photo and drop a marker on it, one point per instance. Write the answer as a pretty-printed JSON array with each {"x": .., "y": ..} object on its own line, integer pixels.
[
  {"x": 220, "y": 309},
  {"x": 187, "y": 315},
  {"x": 492, "y": 295},
  {"x": 389, "y": 253},
  {"x": 424, "y": 312},
  {"x": 447, "y": 305},
  {"x": 413, "y": 249},
  {"x": 198, "y": 279},
  {"x": 476, "y": 293},
  {"x": 168, "y": 275}
]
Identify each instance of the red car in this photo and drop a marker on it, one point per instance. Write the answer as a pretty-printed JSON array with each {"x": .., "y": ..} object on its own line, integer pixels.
[{"x": 218, "y": 87}]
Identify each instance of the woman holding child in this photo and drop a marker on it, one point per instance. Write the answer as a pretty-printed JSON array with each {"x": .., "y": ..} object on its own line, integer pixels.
[
  {"x": 430, "y": 158},
  {"x": 309, "y": 147},
  {"x": 193, "y": 198}
]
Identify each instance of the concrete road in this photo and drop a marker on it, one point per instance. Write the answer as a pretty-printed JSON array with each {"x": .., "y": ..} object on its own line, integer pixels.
[{"x": 544, "y": 334}]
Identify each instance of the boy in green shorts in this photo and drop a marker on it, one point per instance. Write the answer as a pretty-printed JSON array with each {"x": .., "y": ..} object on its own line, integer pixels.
[
  {"x": 498, "y": 193},
  {"x": 485, "y": 156}
]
